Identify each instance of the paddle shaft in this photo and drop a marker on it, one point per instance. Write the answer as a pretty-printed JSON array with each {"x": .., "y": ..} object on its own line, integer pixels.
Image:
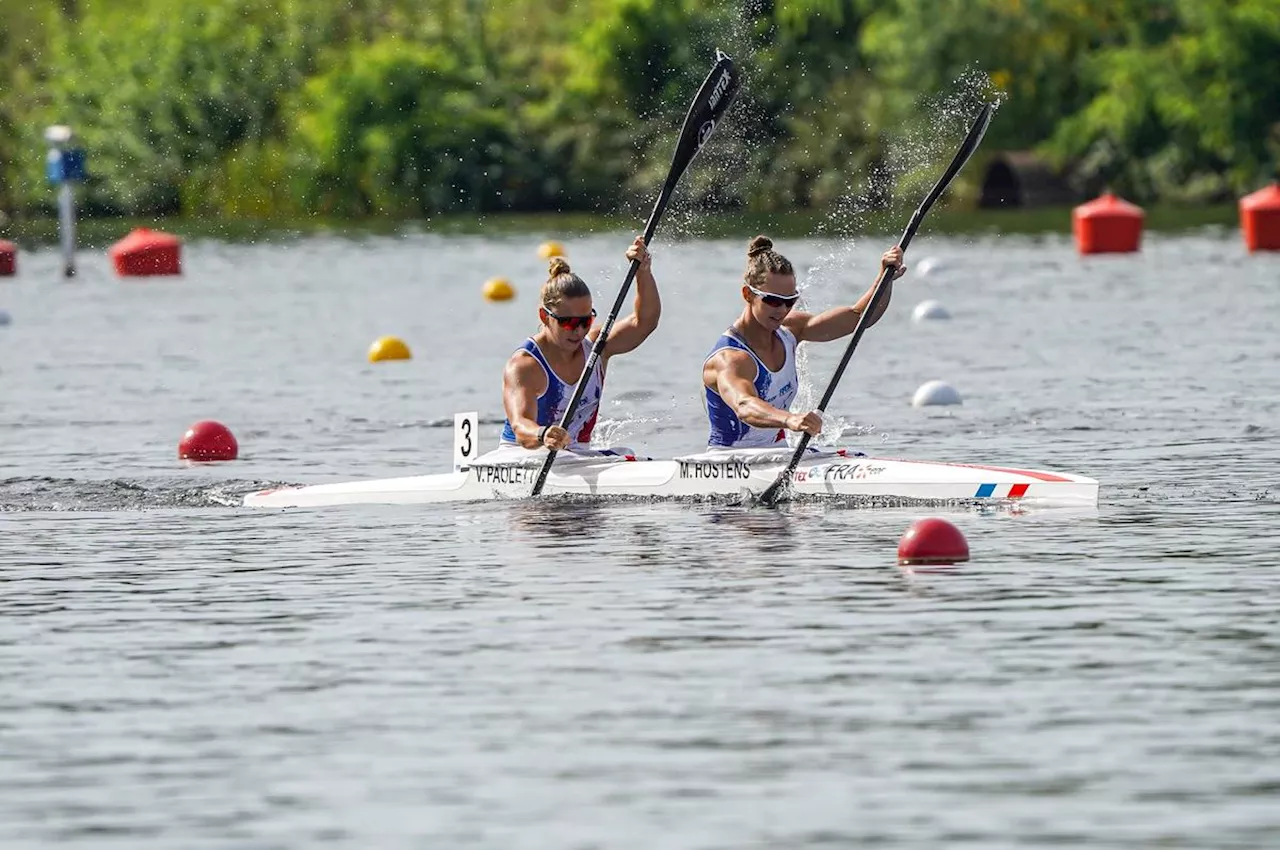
[
  {"x": 873, "y": 305},
  {"x": 707, "y": 108},
  {"x": 597, "y": 350}
]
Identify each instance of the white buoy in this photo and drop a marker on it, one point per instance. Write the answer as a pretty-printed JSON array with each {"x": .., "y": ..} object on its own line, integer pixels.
[
  {"x": 926, "y": 310},
  {"x": 935, "y": 393},
  {"x": 928, "y": 266}
]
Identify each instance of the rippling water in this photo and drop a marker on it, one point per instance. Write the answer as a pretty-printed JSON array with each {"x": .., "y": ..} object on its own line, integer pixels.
[{"x": 178, "y": 671}]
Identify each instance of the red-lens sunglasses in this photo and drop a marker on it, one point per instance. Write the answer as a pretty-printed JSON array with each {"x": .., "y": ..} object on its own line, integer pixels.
[{"x": 572, "y": 323}]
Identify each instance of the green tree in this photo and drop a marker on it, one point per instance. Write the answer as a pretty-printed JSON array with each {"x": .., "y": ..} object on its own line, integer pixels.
[
  {"x": 157, "y": 95},
  {"x": 23, "y": 34},
  {"x": 1029, "y": 49},
  {"x": 810, "y": 106},
  {"x": 1191, "y": 114},
  {"x": 401, "y": 129}
]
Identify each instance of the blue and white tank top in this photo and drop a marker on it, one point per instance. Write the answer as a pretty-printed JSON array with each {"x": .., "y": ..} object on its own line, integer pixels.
[
  {"x": 776, "y": 388},
  {"x": 554, "y": 400}
]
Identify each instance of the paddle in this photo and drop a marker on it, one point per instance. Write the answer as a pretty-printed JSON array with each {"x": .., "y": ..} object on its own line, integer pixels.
[
  {"x": 970, "y": 144},
  {"x": 709, "y": 105}
]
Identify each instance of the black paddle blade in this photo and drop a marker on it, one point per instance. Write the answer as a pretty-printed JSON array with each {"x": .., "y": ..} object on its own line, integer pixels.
[
  {"x": 708, "y": 107},
  {"x": 773, "y": 493},
  {"x": 967, "y": 147}
]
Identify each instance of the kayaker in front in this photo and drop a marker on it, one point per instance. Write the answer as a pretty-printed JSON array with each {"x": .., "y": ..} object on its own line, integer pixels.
[
  {"x": 540, "y": 376},
  {"x": 749, "y": 379}
]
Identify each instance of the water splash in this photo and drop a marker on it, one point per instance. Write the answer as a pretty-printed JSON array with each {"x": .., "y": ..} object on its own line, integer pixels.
[{"x": 70, "y": 494}]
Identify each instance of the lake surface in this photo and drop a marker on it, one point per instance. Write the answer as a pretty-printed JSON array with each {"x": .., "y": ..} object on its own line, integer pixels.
[{"x": 177, "y": 671}]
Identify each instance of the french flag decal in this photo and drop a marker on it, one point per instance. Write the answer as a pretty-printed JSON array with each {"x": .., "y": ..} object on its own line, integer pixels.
[{"x": 1016, "y": 491}]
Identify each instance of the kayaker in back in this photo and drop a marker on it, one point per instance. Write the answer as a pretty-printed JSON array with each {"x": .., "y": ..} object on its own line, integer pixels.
[
  {"x": 749, "y": 379},
  {"x": 540, "y": 377}
]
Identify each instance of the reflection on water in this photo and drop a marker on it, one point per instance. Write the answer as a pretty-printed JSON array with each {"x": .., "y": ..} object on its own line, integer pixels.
[
  {"x": 762, "y": 529},
  {"x": 556, "y": 522}
]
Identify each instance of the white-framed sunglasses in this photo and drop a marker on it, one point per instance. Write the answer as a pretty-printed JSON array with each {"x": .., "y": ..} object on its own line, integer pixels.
[{"x": 773, "y": 299}]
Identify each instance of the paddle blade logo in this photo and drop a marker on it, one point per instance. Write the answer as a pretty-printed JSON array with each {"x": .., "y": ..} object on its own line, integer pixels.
[
  {"x": 705, "y": 131},
  {"x": 722, "y": 86}
]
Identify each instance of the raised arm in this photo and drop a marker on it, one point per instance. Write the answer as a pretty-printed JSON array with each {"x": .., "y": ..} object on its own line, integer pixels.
[
  {"x": 629, "y": 332},
  {"x": 841, "y": 321},
  {"x": 733, "y": 374}
]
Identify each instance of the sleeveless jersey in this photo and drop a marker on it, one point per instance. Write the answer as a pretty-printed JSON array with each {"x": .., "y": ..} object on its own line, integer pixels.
[
  {"x": 554, "y": 400},
  {"x": 776, "y": 388}
]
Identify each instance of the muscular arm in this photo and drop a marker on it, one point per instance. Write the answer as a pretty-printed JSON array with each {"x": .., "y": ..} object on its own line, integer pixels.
[
  {"x": 732, "y": 374},
  {"x": 838, "y": 321},
  {"x": 522, "y": 382},
  {"x": 842, "y": 321},
  {"x": 629, "y": 332}
]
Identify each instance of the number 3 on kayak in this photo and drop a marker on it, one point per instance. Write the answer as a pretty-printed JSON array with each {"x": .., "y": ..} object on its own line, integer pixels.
[{"x": 465, "y": 428}]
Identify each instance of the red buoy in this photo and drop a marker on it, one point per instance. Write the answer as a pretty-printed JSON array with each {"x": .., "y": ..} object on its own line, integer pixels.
[
  {"x": 208, "y": 440},
  {"x": 932, "y": 541},
  {"x": 8, "y": 258},
  {"x": 1260, "y": 219},
  {"x": 1107, "y": 225},
  {"x": 147, "y": 252}
]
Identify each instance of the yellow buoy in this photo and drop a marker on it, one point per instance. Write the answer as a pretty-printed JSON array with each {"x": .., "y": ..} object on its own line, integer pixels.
[
  {"x": 547, "y": 250},
  {"x": 499, "y": 289},
  {"x": 388, "y": 348}
]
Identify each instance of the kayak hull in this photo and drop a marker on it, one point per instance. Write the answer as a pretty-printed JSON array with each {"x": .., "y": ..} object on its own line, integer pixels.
[{"x": 838, "y": 476}]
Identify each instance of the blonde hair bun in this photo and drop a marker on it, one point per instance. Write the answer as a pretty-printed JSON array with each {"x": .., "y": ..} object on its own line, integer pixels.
[
  {"x": 561, "y": 284},
  {"x": 759, "y": 245},
  {"x": 762, "y": 261}
]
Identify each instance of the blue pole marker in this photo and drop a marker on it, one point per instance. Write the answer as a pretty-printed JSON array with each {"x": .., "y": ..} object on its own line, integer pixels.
[{"x": 64, "y": 167}]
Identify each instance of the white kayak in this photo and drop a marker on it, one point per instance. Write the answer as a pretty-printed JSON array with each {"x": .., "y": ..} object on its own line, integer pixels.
[{"x": 736, "y": 474}]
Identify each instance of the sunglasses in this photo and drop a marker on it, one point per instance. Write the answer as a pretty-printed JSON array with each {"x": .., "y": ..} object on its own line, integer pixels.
[
  {"x": 572, "y": 323},
  {"x": 774, "y": 300}
]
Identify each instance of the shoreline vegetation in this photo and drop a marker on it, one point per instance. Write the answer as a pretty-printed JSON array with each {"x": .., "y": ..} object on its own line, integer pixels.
[
  {"x": 101, "y": 232},
  {"x": 398, "y": 110}
]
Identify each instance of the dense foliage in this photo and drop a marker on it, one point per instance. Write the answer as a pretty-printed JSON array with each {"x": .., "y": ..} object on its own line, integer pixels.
[{"x": 404, "y": 108}]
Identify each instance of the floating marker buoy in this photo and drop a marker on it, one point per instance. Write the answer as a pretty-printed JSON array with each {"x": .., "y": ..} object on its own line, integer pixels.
[
  {"x": 8, "y": 258},
  {"x": 1107, "y": 225},
  {"x": 5, "y": 318},
  {"x": 147, "y": 252},
  {"x": 928, "y": 266},
  {"x": 547, "y": 250},
  {"x": 1260, "y": 219},
  {"x": 388, "y": 348},
  {"x": 932, "y": 541},
  {"x": 208, "y": 441},
  {"x": 935, "y": 392},
  {"x": 927, "y": 310},
  {"x": 499, "y": 289}
]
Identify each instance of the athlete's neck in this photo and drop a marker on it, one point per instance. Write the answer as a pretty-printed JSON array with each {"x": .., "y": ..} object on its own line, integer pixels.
[
  {"x": 556, "y": 355},
  {"x": 753, "y": 333}
]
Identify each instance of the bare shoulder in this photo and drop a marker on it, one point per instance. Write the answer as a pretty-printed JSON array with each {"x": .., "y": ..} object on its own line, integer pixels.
[
  {"x": 731, "y": 362},
  {"x": 796, "y": 322},
  {"x": 727, "y": 357},
  {"x": 523, "y": 370}
]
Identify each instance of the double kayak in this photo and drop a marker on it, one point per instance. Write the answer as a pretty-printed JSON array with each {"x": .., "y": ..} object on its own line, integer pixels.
[{"x": 729, "y": 475}]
